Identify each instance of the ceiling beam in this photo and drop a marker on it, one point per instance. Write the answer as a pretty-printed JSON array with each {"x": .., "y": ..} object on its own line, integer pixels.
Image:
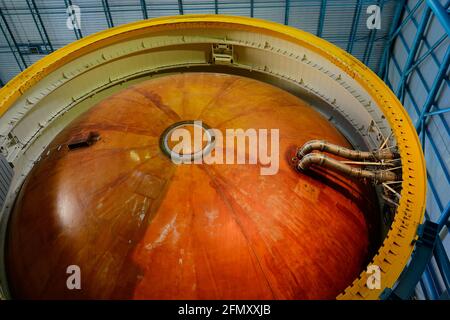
[
  {"x": 14, "y": 48},
  {"x": 144, "y": 9},
  {"x": 180, "y": 7},
  {"x": 108, "y": 15},
  {"x": 39, "y": 24}
]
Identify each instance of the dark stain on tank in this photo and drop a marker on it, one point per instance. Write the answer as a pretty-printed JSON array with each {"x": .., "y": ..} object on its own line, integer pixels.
[
  {"x": 290, "y": 154},
  {"x": 157, "y": 101}
]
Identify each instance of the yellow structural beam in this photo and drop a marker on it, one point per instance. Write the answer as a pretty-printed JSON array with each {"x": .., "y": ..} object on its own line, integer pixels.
[{"x": 397, "y": 247}]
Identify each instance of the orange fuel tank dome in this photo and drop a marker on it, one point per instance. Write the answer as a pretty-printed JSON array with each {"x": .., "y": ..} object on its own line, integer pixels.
[{"x": 105, "y": 197}]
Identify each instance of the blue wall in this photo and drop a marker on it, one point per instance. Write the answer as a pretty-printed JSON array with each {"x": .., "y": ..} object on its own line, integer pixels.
[{"x": 418, "y": 72}]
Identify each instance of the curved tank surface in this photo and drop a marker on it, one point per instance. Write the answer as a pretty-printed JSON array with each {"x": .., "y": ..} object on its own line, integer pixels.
[{"x": 106, "y": 197}]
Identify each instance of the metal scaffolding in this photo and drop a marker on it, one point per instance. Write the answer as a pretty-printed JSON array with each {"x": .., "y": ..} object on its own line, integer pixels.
[{"x": 405, "y": 77}]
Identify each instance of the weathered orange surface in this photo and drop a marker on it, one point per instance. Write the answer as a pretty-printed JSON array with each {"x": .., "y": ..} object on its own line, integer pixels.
[{"x": 142, "y": 227}]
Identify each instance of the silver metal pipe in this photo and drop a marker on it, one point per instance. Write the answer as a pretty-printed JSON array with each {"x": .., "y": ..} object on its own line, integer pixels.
[
  {"x": 325, "y": 146},
  {"x": 318, "y": 159}
]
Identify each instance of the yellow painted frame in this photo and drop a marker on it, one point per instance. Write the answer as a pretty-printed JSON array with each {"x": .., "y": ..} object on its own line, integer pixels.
[{"x": 397, "y": 247}]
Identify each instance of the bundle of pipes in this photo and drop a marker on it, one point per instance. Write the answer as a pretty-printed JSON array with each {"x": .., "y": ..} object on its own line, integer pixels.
[{"x": 305, "y": 159}]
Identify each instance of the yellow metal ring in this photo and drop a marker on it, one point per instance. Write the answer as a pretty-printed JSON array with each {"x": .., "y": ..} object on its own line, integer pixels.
[{"x": 398, "y": 245}]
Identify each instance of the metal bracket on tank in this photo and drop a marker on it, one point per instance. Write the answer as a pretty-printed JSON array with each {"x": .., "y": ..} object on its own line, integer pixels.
[
  {"x": 427, "y": 234},
  {"x": 222, "y": 53}
]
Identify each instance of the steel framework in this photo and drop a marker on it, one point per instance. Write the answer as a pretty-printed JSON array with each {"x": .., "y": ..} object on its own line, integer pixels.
[{"x": 404, "y": 79}]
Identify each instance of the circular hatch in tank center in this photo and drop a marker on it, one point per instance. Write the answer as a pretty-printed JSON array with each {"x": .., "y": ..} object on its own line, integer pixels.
[{"x": 187, "y": 140}]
